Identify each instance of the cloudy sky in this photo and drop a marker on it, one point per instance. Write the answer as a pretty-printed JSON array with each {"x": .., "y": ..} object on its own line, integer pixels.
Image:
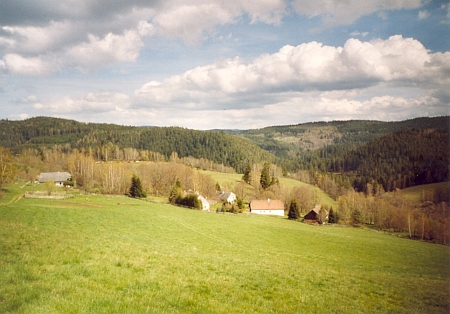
[{"x": 229, "y": 64}]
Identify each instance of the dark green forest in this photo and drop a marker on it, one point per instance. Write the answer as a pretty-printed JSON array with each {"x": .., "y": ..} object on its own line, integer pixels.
[
  {"x": 362, "y": 153},
  {"x": 101, "y": 139}
]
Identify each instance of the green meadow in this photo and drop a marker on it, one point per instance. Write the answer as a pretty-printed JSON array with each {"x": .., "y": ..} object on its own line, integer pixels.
[
  {"x": 439, "y": 192},
  {"x": 231, "y": 179},
  {"x": 112, "y": 254}
]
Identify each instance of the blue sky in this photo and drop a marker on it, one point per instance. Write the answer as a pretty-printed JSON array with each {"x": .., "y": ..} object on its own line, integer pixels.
[{"x": 224, "y": 64}]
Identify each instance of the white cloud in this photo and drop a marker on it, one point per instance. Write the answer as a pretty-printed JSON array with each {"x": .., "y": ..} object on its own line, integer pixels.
[
  {"x": 309, "y": 66},
  {"x": 18, "y": 65},
  {"x": 190, "y": 21},
  {"x": 35, "y": 39},
  {"x": 107, "y": 50},
  {"x": 106, "y": 102},
  {"x": 92, "y": 35},
  {"x": 423, "y": 14},
  {"x": 311, "y": 80},
  {"x": 335, "y": 12},
  {"x": 38, "y": 106}
]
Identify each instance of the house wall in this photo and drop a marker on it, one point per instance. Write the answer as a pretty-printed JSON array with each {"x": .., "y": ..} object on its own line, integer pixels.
[{"x": 276, "y": 212}]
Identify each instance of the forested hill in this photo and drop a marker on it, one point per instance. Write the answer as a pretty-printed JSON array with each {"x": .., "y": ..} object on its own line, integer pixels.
[
  {"x": 218, "y": 147},
  {"x": 398, "y": 160},
  {"x": 393, "y": 154},
  {"x": 290, "y": 140}
]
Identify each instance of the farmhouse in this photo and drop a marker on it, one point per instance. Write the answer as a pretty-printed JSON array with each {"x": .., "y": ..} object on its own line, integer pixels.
[
  {"x": 58, "y": 177},
  {"x": 205, "y": 203},
  {"x": 228, "y": 197},
  {"x": 267, "y": 207},
  {"x": 316, "y": 215}
]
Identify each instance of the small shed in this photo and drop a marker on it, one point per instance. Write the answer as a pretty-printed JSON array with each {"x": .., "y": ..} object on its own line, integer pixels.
[
  {"x": 267, "y": 207},
  {"x": 228, "y": 197},
  {"x": 58, "y": 177},
  {"x": 316, "y": 215},
  {"x": 205, "y": 203}
]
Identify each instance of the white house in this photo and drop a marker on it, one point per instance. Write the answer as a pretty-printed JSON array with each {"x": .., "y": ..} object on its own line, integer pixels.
[
  {"x": 267, "y": 207},
  {"x": 228, "y": 197},
  {"x": 58, "y": 177},
  {"x": 205, "y": 203}
]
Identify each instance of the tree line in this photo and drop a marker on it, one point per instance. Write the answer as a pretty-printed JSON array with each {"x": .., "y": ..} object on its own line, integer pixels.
[
  {"x": 428, "y": 220},
  {"x": 364, "y": 152}
]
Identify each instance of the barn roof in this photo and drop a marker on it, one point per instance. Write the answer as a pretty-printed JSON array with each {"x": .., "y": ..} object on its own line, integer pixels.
[
  {"x": 313, "y": 214},
  {"x": 317, "y": 209},
  {"x": 267, "y": 204},
  {"x": 53, "y": 176}
]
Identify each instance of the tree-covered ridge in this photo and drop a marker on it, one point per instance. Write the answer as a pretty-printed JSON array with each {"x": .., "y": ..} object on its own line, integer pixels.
[
  {"x": 105, "y": 139},
  {"x": 399, "y": 160},
  {"x": 392, "y": 154},
  {"x": 289, "y": 140}
]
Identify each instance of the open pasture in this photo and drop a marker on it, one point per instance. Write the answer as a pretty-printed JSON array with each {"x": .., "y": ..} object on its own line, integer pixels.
[
  {"x": 231, "y": 179},
  {"x": 100, "y": 254}
]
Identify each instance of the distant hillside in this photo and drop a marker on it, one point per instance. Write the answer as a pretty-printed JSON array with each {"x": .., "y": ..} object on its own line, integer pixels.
[
  {"x": 436, "y": 192},
  {"x": 393, "y": 154},
  {"x": 290, "y": 140},
  {"x": 398, "y": 160},
  {"x": 219, "y": 147}
]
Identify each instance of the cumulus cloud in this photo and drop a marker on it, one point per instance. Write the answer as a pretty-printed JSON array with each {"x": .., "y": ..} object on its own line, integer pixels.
[
  {"x": 313, "y": 78},
  {"x": 33, "y": 66},
  {"x": 192, "y": 21},
  {"x": 309, "y": 66},
  {"x": 107, "y": 50},
  {"x": 90, "y": 34},
  {"x": 361, "y": 78}
]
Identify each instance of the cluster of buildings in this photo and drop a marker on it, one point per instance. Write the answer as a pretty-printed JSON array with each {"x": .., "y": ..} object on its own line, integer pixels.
[{"x": 260, "y": 207}]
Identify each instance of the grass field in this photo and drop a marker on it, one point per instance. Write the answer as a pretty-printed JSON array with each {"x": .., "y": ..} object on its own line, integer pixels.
[
  {"x": 439, "y": 191},
  {"x": 106, "y": 254},
  {"x": 229, "y": 179}
]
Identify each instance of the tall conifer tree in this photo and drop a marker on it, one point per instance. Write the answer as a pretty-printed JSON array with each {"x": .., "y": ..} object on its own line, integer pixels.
[{"x": 136, "y": 190}]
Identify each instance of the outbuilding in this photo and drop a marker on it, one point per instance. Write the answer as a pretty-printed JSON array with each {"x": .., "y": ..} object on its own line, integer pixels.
[
  {"x": 58, "y": 177},
  {"x": 267, "y": 207},
  {"x": 205, "y": 203},
  {"x": 317, "y": 215},
  {"x": 228, "y": 197}
]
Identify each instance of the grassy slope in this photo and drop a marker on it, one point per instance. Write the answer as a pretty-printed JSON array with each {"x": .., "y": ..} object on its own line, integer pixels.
[
  {"x": 415, "y": 194},
  {"x": 119, "y": 255},
  {"x": 227, "y": 179}
]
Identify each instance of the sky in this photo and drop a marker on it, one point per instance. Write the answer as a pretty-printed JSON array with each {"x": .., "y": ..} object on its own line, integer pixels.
[{"x": 224, "y": 64}]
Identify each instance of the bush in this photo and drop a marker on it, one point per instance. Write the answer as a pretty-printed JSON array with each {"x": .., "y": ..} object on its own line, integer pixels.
[{"x": 190, "y": 200}]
